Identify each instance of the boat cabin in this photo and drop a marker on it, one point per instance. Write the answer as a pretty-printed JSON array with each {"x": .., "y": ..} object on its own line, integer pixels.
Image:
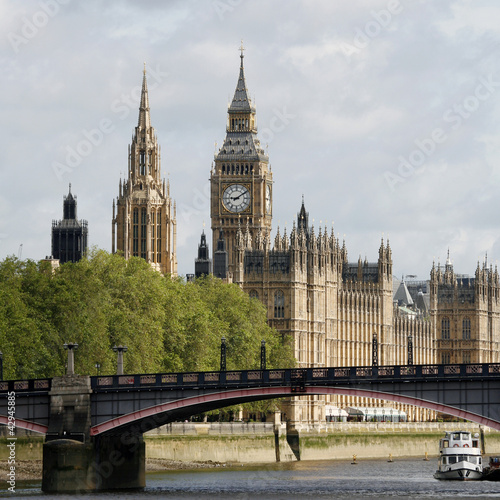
[{"x": 458, "y": 439}]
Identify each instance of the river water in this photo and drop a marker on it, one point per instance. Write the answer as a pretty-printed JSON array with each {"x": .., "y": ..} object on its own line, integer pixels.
[{"x": 368, "y": 479}]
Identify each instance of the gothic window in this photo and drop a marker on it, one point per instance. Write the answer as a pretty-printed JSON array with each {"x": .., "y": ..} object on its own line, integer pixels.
[
  {"x": 466, "y": 357},
  {"x": 445, "y": 358},
  {"x": 279, "y": 304},
  {"x": 142, "y": 161},
  {"x": 466, "y": 329},
  {"x": 143, "y": 232},
  {"x": 445, "y": 328},
  {"x": 223, "y": 169},
  {"x": 153, "y": 213},
  {"x": 253, "y": 294},
  {"x": 135, "y": 233},
  {"x": 158, "y": 236}
]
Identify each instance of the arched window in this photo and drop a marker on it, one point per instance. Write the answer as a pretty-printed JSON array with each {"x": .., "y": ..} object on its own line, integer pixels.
[
  {"x": 143, "y": 232},
  {"x": 253, "y": 294},
  {"x": 153, "y": 228},
  {"x": 135, "y": 233},
  {"x": 466, "y": 329},
  {"x": 158, "y": 235},
  {"x": 142, "y": 160},
  {"x": 279, "y": 304},
  {"x": 445, "y": 328}
]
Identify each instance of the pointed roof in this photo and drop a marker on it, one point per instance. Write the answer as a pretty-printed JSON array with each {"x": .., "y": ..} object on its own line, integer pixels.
[
  {"x": 402, "y": 295},
  {"x": 241, "y": 143},
  {"x": 241, "y": 102},
  {"x": 144, "y": 117},
  {"x": 303, "y": 219}
]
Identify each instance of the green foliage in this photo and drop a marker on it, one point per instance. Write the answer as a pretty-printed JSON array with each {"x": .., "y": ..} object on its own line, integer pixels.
[{"x": 103, "y": 300}]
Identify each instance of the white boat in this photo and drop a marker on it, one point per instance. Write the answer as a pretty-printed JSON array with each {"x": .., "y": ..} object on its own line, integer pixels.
[{"x": 459, "y": 457}]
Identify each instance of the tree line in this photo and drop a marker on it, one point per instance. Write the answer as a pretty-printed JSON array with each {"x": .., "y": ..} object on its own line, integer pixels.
[{"x": 103, "y": 300}]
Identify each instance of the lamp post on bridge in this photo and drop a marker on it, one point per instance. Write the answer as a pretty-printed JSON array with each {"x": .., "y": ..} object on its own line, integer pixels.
[
  {"x": 71, "y": 347},
  {"x": 374, "y": 350},
  {"x": 98, "y": 368},
  {"x": 119, "y": 362},
  {"x": 223, "y": 354},
  {"x": 263, "y": 355},
  {"x": 410, "y": 349}
]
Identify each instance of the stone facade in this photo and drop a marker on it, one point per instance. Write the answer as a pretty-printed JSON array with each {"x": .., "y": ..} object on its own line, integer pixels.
[
  {"x": 331, "y": 309},
  {"x": 144, "y": 217},
  {"x": 465, "y": 313}
]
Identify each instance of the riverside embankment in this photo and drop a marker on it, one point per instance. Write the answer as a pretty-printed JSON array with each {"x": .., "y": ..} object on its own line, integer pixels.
[
  {"x": 257, "y": 443},
  {"x": 181, "y": 445}
]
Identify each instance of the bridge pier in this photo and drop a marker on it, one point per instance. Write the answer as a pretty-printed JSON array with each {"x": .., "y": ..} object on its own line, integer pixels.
[{"x": 75, "y": 462}]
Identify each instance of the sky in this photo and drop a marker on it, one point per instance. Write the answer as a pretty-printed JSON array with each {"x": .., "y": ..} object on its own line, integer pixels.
[{"x": 382, "y": 115}]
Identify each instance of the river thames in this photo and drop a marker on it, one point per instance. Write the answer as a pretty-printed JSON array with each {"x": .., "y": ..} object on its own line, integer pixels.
[{"x": 368, "y": 479}]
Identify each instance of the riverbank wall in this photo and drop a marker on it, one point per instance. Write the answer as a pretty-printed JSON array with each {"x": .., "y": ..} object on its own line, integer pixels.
[
  {"x": 263, "y": 442},
  {"x": 254, "y": 443}
]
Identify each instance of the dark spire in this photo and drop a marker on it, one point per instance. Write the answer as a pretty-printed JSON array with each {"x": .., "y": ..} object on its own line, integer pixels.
[
  {"x": 203, "y": 264},
  {"x": 303, "y": 219},
  {"x": 69, "y": 206}
]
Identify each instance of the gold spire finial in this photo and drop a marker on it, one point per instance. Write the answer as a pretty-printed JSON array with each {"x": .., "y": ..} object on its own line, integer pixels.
[
  {"x": 241, "y": 49},
  {"x": 144, "y": 67}
]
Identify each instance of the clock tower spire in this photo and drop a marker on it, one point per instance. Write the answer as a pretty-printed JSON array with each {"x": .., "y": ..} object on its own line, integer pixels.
[{"x": 241, "y": 180}]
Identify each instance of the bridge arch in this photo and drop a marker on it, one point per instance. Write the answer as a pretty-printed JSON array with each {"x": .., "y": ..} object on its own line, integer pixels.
[
  {"x": 146, "y": 419},
  {"x": 25, "y": 424}
]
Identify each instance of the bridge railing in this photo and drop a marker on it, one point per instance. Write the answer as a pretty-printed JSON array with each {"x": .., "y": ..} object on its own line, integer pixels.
[
  {"x": 298, "y": 378},
  {"x": 31, "y": 385}
]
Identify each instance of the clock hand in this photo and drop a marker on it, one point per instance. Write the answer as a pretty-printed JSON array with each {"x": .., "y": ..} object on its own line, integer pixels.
[{"x": 237, "y": 197}]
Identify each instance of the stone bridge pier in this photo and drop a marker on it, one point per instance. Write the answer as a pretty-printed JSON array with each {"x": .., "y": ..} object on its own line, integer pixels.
[{"x": 74, "y": 461}]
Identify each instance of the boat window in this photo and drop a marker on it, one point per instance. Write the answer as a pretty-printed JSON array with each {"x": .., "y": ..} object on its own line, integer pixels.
[
  {"x": 453, "y": 460},
  {"x": 445, "y": 461},
  {"x": 475, "y": 444},
  {"x": 446, "y": 443},
  {"x": 456, "y": 436}
]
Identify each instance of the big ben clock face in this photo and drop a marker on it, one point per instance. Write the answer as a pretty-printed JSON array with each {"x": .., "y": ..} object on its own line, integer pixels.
[{"x": 236, "y": 198}]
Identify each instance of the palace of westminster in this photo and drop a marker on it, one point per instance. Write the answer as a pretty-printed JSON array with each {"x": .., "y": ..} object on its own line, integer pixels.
[{"x": 338, "y": 313}]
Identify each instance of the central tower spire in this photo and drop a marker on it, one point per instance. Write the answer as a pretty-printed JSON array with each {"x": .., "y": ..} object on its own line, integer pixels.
[
  {"x": 144, "y": 117},
  {"x": 145, "y": 223}
]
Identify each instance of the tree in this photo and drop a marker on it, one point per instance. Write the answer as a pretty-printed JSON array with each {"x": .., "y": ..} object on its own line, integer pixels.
[{"x": 104, "y": 300}]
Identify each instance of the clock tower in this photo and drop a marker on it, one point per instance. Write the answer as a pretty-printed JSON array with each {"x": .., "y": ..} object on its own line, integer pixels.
[{"x": 241, "y": 180}]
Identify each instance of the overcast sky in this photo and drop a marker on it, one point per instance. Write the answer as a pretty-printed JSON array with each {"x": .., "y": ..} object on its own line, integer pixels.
[{"x": 384, "y": 115}]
